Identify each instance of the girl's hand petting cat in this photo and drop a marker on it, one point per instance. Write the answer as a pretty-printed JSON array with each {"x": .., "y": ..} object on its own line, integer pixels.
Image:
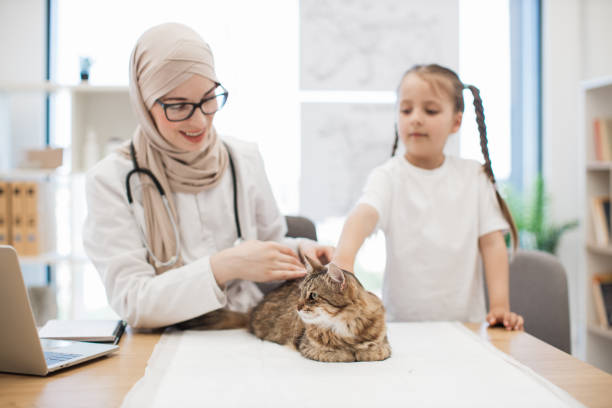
[
  {"x": 257, "y": 261},
  {"x": 323, "y": 253},
  {"x": 510, "y": 320}
]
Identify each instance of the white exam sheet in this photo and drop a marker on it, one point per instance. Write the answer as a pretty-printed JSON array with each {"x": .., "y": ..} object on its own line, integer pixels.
[{"x": 439, "y": 364}]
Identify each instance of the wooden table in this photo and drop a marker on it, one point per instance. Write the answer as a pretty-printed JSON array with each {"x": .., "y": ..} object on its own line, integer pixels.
[{"x": 105, "y": 382}]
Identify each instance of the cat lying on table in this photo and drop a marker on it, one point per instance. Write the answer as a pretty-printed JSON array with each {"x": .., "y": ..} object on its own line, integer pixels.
[{"x": 327, "y": 316}]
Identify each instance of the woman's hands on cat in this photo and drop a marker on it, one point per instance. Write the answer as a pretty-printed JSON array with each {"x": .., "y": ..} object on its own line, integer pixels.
[
  {"x": 323, "y": 253},
  {"x": 258, "y": 261},
  {"x": 510, "y": 320}
]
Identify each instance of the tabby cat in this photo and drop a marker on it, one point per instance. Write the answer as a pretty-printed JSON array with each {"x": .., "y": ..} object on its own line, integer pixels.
[{"x": 326, "y": 316}]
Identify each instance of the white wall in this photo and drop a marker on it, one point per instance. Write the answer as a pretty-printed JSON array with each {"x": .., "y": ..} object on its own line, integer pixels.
[
  {"x": 22, "y": 29},
  {"x": 576, "y": 46},
  {"x": 596, "y": 33}
]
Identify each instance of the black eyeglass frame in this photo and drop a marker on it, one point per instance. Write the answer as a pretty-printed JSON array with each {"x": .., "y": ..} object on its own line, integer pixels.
[{"x": 194, "y": 105}]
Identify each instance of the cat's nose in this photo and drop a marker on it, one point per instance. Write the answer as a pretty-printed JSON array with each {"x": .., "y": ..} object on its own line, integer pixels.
[{"x": 300, "y": 305}]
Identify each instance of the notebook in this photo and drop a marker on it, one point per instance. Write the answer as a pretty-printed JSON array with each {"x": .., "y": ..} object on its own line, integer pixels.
[
  {"x": 21, "y": 350},
  {"x": 109, "y": 331}
]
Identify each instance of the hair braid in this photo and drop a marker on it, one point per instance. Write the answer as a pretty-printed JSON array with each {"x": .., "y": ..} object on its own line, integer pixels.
[
  {"x": 395, "y": 142},
  {"x": 482, "y": 130}
]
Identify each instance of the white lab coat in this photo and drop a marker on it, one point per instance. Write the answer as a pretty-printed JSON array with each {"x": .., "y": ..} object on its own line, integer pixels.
[{"x": 206, "y": 223}]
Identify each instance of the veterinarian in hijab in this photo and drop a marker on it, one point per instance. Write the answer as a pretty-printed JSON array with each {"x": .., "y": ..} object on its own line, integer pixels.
[{"x": 166, "y": 260}]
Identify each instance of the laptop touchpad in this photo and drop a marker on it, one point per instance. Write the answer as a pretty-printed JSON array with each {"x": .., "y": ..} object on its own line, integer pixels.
[{"x": 55, "y": 344}]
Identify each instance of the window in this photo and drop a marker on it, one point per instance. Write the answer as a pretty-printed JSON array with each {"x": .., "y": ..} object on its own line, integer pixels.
[
  {"x": 505, "y": 65},
  {"x": 484, "y": 61}
]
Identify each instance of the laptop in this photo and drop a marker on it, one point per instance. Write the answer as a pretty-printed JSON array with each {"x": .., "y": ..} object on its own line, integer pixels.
[{"x": 21, "y": 350}]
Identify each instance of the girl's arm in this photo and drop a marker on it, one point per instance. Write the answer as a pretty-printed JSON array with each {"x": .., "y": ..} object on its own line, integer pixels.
[
  {"x": 359, "y": 224},
  {"x": 495, "y": 260}
]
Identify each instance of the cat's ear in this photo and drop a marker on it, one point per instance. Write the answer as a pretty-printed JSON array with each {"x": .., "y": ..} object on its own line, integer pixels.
[
  {"x": 336, "y": 275},
  {"x": 300, "y": 254},
  {"x": 311, "y": 264}
]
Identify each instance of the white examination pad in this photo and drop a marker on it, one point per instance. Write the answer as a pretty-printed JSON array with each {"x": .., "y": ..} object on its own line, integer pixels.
[{"x": 438, "y": 364}]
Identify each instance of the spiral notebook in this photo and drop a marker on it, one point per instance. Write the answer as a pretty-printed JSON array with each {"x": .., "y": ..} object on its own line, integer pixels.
[{"x": 106, "y": 331}]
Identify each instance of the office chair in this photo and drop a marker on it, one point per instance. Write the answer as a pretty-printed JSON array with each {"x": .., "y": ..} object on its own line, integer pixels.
[
  {"x": 538, "y": 292},
  {"x": 300, "y": 227}
]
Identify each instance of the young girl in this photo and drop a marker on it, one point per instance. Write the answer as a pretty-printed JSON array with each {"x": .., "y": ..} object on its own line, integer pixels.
[{"x": 438, "y": 212}]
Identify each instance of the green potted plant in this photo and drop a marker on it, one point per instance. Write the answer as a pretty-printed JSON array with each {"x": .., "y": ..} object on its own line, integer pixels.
[{"x": 530, "y": 213}]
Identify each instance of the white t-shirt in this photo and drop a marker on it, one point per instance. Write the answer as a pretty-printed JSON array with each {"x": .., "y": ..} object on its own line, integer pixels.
[{"x": 432, "y": 220}]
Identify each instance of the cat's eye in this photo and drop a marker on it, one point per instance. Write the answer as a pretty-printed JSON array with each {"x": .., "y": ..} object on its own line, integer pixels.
[{"x": 312, "y": 296}]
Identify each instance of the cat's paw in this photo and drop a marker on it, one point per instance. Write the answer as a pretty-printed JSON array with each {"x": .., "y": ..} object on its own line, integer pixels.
[
  {"x": 376, "y": 352},
  {"x": 328, "y": 356}
]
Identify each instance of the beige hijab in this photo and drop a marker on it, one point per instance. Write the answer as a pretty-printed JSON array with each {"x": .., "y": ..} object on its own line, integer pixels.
[{"x": 164, "y": 57}]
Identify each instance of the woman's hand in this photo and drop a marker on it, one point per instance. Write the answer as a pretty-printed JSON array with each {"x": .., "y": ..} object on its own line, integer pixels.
[
  {"x": 257, "y": 261},
  {"x": 510, "y": 320},
  {"x": 323, "y": 253}
]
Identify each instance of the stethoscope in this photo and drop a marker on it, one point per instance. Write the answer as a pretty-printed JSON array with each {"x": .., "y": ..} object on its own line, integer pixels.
[{"x": 162, "y": 193}]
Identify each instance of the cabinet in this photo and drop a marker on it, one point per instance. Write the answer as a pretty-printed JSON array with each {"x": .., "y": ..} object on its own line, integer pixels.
[{"x": 596, "y": 99}]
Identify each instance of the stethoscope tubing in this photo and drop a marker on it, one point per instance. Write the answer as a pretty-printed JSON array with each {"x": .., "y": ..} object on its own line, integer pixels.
[
  {"x": 140, "y": 170},
  {"x": 234, "y": 184}
]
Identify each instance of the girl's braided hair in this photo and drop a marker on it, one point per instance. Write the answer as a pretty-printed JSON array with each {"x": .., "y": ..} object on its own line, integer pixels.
[{"x": 433, "y": 73}]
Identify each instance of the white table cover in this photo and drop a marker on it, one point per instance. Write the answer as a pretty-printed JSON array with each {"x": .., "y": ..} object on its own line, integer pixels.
[{"x": 439, "y": 364}]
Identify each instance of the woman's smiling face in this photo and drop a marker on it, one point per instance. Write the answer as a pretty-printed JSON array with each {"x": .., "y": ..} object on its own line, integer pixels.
[
  {"x": 190, "y": 134},
  {"x": 426, "y": 117}
]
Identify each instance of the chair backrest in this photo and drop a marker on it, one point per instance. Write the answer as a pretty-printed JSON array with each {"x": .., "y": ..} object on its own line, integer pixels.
[
  {"x": 538, "y": 292},
  {"x": 300, "y": 227}
]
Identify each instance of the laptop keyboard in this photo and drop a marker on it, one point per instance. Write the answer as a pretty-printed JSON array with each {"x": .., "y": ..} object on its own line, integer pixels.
[{"x": 54, "y": 358}]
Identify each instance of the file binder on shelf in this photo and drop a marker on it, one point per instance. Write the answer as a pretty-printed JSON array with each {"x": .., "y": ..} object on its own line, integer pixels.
[
  {"x": 5, "y": 213},
  {"x": 30, "y": 219},
  {"x": 26, "y": 217},
  {"x": 17, "y": 216}
]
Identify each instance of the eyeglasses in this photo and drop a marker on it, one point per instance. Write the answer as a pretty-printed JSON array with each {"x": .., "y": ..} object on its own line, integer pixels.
[{"x": 176, "y": 112}]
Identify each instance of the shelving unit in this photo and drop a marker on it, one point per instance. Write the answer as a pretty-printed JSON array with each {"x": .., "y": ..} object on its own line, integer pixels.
[
  {"x": 93, "y": 118},
  {"x": 85, "y": 119},
  {"x": 96, "y": 115},
  {"x": 596, "y": 98},
  {"x": 100, "y": 115}
]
